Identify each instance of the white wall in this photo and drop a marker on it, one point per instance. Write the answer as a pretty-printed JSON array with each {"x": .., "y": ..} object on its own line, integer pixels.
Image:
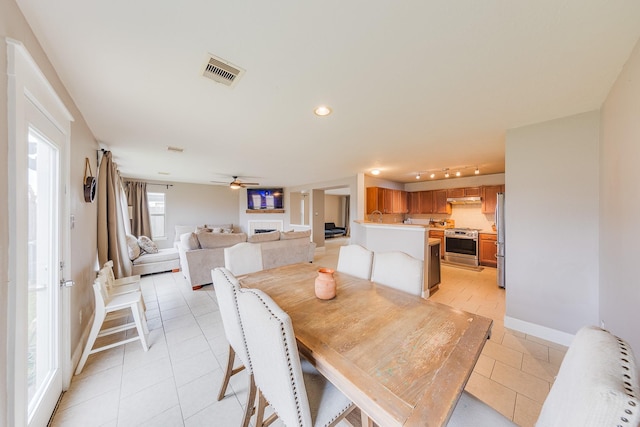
[
  {"x": 620, "y": 205},
  {"x": 552, "y": 226},
  {"x": 333, "y": 209},
  {"x": 196, "y": 204}
]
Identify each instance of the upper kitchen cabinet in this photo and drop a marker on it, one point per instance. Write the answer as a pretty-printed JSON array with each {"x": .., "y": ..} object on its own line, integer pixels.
[
  {"x": 420, "y": 202},
  {"x": 464, "y": 192},
  {"x": 386, "y": 200},
  {"x": 490, "y": 197},
  {"x": 440, "y": 204},
  {"x": 413, "y": 202},
  {"x": 426, "y": 202}
]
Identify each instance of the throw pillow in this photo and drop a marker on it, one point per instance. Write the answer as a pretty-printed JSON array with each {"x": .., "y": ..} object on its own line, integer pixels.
[
  {"x": 147, "y": 245},
  {"x": 132, "y": 247},
  {"x": 221, "y": 228},
  {"x": 189, "y": 241}
]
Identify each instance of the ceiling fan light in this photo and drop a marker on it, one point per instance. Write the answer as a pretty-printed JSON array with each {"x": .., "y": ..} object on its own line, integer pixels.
[
  {"x": 234, "y": 185},
  {"x": 477, "y": 171}
]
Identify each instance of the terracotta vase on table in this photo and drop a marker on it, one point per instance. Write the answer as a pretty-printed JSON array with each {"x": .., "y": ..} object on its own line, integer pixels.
[{"x": 325, "y": 284}]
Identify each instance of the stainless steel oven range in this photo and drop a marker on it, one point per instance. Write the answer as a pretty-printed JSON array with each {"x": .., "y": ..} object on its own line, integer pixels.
[{"x": 461, "y": 246}]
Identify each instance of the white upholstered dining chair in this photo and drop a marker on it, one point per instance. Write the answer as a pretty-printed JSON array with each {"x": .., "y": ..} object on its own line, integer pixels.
[
  {"x": 105, "y": 304},
  {"x": 243, "y": 258},
  {"x": 356, "y": 261},
  {"x": 226, "y": 286},
  {"x": 398, "y": 270},
  {"x": 597, "y": 385},
  {"x": 298, "y": 393}
]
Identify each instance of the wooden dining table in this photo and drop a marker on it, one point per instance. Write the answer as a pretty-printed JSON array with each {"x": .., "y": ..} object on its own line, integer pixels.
[{"x": 403, "y": 360}]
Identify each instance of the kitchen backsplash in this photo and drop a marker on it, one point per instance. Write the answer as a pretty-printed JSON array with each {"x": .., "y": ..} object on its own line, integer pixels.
[{"x": 467, "y": 216}]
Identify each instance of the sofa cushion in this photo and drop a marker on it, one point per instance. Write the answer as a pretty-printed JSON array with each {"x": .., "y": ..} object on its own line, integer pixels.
[
  {"x": 288, "y": 235},
  {"x": 160, "y": 256},
  {"x": 147, "y": 245},
  {"x": 220, "y": 240},
  {"x": 189, "y": 241},
  {"x": 264, "y": 237},
  {"x": 133, "y": 248}
]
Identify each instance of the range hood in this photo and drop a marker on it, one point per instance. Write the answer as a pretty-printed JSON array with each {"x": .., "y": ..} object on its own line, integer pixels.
[{"x": 464, "y": 200}]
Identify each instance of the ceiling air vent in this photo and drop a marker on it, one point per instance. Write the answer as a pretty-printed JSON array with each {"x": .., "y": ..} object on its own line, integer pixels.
[
  {"x": 221, "y": 71},
  {"x": 175, "y": 149}
]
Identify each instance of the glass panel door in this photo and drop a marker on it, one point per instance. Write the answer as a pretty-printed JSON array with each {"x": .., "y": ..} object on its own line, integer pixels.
[{"x": 43, "y": 269}]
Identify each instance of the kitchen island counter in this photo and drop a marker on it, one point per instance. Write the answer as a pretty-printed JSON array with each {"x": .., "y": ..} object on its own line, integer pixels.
[{"x": 412, "y": 239}]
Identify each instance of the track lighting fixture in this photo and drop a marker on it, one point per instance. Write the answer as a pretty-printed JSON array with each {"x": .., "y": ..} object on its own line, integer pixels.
[{"x": 447, "y": 172}]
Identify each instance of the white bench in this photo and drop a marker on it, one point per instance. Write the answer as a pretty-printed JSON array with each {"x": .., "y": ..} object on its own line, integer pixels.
[{"x": 597, "y": 386}]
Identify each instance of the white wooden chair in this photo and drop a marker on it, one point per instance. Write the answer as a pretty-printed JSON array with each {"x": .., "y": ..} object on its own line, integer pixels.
[
  {"x": 111, "y": 278},
  {"x": 398, "y": 270},
  {"x": 356, "y": 261},
  {"x": 120, "y": 286},
  {"x": 597, "y": 385},
  {"x": 243, "y": 258},
  {"x": 298, "y": 393},
  {"x": 226, "y": 286},
  {"x": 106, "y": 304}
]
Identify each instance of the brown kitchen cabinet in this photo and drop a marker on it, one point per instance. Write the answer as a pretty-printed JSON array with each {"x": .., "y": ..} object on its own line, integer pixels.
[
  {"x": 413, "y": 202},
  {"x": 490, "y": 197},
  {"x": 487, "y": 249},
  {"x": 426, "y": 202},
  {"x": 440, "y": 205},
  {"x": 386, "y": 200},
  {"x": 464, "y": 192},
  {"x": 438, "y": 234}
]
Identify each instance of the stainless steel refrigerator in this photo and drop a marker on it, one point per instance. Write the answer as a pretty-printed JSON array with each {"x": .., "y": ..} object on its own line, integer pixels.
[{"x": 500, "y": 239}]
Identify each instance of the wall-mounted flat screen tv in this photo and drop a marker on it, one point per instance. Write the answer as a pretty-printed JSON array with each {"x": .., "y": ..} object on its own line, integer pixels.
[{"x": 265, "y": 198}]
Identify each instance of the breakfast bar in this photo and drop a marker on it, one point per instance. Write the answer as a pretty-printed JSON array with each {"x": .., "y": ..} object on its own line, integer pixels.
[{"x": 412, "y": 239}]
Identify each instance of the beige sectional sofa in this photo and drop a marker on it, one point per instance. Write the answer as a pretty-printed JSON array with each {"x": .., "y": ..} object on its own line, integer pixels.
[{"x": 204, "y": 250}]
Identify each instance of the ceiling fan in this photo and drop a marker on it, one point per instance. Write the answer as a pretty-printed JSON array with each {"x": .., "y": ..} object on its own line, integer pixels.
[{"x": 236, "y": 183}]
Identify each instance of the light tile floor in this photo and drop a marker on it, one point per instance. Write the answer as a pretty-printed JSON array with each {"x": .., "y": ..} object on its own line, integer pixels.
[{"x": 176, "y": 382}]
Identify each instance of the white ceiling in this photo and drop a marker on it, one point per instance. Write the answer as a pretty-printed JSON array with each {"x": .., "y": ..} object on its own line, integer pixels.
[{"x": 414, "y": 85}]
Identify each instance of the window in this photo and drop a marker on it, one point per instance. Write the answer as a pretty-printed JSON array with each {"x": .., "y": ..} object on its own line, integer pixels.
[{"x": 157, "y": 213}]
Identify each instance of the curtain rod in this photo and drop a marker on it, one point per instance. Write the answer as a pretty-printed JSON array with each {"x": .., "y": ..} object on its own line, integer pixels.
[{"x": 148, "y": 183}]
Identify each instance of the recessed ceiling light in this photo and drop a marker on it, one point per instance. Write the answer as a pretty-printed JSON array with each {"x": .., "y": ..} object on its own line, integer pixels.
[
  {"x": 322, "y": 110},
  {"x": 375, "y": 172}
]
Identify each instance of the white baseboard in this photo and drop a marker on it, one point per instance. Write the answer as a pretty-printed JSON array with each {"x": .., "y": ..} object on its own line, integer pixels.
[
  {"x": 539, "y": 331},
  {"x": 77, "y": 353}
]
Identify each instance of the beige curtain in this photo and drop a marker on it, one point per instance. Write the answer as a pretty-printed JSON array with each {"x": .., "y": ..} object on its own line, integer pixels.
[
  {"x": 112, "y": 218},
  {"x": 139, "y": 203}
]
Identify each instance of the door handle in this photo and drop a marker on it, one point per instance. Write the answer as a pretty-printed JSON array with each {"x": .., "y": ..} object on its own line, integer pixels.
[{"x": 66, "y": 283}]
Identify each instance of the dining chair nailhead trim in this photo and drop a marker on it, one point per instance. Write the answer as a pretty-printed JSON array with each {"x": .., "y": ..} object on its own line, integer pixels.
[{"x": 291, "y": 379}]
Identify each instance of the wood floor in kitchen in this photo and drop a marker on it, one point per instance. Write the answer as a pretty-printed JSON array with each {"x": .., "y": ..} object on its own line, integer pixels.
[{"x": 176, "y": 382}]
